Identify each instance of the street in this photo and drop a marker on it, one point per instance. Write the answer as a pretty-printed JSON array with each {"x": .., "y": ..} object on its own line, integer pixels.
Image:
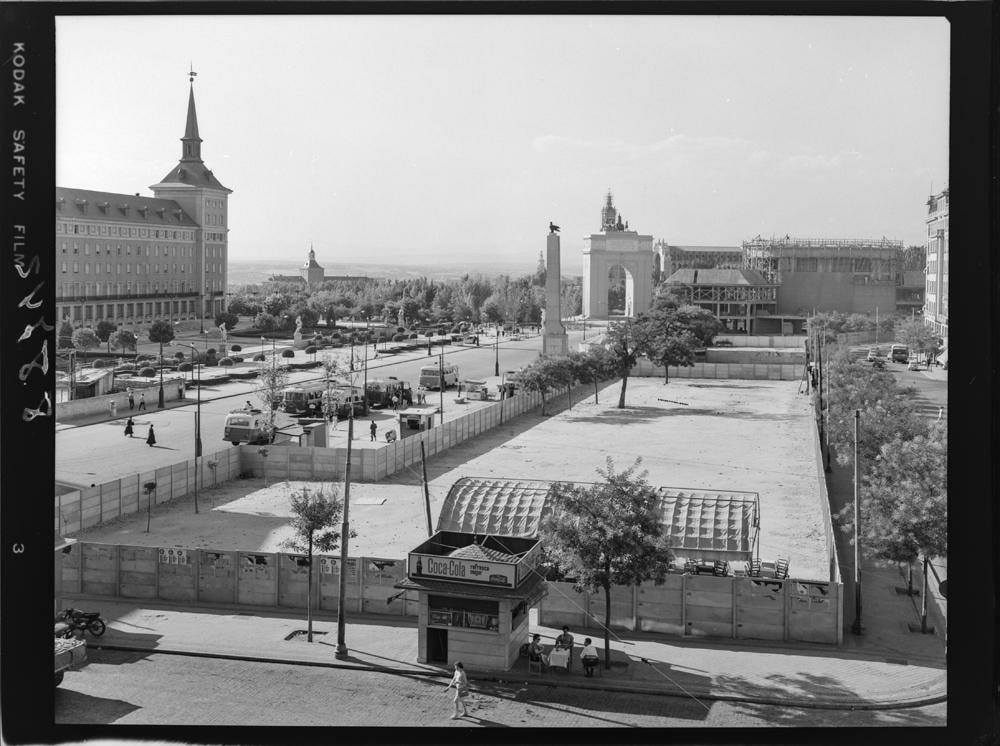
[
  {"x": 81, "y": 451},
  {"x": 154, "y": 689}
]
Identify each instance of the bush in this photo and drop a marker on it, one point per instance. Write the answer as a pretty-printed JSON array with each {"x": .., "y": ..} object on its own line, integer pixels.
[
  {"x": 226, "y": 362},
  {"x": 288, "y": 353},
  {"x": 211, "y": 352},
  {"x": 147, "y": 373},
  {"x": 259, "y": 357},
  {"x": 178, "y": 355},
  {"x": 398, "y": 337},
  {"x": 311, "y": 350},
  {"x": 235, "y": 348},
  {"x": 413, "y": 335},
  {"x": 185, "y": 367},
  {"x": 99, "y": 363},
  {"x": 237, "y": 359}
]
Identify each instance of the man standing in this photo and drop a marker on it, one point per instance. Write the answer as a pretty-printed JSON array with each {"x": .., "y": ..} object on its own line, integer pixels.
[
  {"x": 131, "y": 400},
  {"x": 142, "y": 401},
  {"x": 373, "y": 427}
]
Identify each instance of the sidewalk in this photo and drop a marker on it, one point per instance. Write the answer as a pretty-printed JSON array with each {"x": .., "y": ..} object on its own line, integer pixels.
[{"x": 887, "y": 669}]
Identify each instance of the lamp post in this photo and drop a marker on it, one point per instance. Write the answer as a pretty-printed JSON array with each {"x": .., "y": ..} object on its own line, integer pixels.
[
  {"x": 857, "y": 628},
  {"x": 345, "y": 534},
  {"x": 161, "y": 376},
  {"x": 496, "y": 362},
  {"x": 197, "y": 425}
]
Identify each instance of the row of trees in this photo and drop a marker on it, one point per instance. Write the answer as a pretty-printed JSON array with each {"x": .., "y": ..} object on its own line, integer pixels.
[
  {"x": 501, "y": 299},
  {"x": 902, "y": 461}
]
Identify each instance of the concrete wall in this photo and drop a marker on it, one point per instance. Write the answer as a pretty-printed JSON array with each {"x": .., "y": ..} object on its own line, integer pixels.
[
  {"x": 173, "y": 389},
  {"x": 79, "y": 509},
  {"x": 735, "y": 371},
  {"x": 708, "y": 606},
  {"x": 779, "y": 355},
  {"x": 227, "y": 577},
  {"x": 757, "y": 340}
]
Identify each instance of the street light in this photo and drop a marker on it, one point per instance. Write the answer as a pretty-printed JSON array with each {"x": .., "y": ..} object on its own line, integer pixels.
[
  {"x": 197, "y": 424},
  {"x": 496, "y": 364},
  {"x": 857, "y": 628},
  {"x": 161, "y": 375}
]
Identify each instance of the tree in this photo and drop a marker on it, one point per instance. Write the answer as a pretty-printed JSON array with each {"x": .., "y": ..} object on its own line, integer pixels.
[
  {"x": 913, "y": 258},
  {"x": 917, "y": 336},
  {"x": 593, "y": 366},
  {"x": 271, "y": 383},
  {"x": 904, "y": 502},
  {"x": 315, "y": 515},
  {"x": 163, "y": 332},
  {"x": 227, "y": 318},
  {"x": 675, "y": 349},
  {"x": 606, "y": 534},
  {"x": 332, "y": 368},
  {"x": 85, "y": 339},
  {"x": 264, "y": 322},
  {"x": 104, "y": 330},
  {"x": 124, "y": 339},
  {"x": 65, "y": 339},
  {"x": 625, "y": 342},
  {"x": 542, "y": 375}
]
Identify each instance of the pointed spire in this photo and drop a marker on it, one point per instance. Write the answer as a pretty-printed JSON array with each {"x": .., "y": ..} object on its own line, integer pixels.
[{"x": 191, "y": 141}]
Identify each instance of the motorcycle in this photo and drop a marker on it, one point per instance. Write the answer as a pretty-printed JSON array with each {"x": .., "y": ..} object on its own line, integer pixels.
[{"x": 71, "y": 621}]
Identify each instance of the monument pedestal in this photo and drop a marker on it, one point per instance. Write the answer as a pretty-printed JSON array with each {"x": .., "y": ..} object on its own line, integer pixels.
[
  {"x": 555, "y": 341},
  {"x": 298, "y": 343}
]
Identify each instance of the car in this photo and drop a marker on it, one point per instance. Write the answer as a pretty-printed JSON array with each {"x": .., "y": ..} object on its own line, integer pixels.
[
  {"x": 913, "y": 365},
  {"x": 878, "y": 364},
  {"x": 873, "y": 354}
]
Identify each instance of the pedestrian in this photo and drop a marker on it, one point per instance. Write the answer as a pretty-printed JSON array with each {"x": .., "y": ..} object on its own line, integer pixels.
[
  {"x": 589, "y": 657},
  {"x": 373, "y": 427},
  {"x": 131, "y": 400},
  {"x": 151, "y": 437},
  {"x": 461, "y": 683},
  {"x": 249, "y": 406},
  {"x": 128, "y": 427},
  {"x": 395, "y": 401},
  {"x": 142, "y": 401}
]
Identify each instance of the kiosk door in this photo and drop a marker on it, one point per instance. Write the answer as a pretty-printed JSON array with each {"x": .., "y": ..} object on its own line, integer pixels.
[{"x": 437, "y": 645}]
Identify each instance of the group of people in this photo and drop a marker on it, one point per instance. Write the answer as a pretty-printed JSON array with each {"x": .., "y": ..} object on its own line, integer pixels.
[
  {"x": 588, "y": 654},
  {"x": 130, "y": 432}
]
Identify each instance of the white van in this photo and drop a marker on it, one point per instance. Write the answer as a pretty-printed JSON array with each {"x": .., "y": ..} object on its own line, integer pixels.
[{"x": 431, "y": 376}]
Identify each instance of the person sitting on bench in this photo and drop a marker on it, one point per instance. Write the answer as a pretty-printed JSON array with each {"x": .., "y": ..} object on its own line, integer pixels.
[
  {"x": 589, "y": 657},
  {"x": 536, "y": 652}
]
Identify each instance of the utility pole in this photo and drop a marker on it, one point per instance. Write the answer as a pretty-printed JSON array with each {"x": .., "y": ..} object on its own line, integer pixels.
[
  {"x": 345, "y": 533},
  {"x": 161, "y": 376},
  {"x": 441, "y": 382},
  {"x": 857, "y": 628},
  {"x": 496, "y": 364},
  {"x": 427, "y": 495}
]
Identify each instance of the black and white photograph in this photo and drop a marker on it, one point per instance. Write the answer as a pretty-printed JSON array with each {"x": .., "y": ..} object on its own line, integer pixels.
[{"x": 535, "y": 371}]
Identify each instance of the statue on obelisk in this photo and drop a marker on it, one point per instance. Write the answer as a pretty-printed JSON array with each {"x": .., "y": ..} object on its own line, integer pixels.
[{"x": 554, "y": 338}]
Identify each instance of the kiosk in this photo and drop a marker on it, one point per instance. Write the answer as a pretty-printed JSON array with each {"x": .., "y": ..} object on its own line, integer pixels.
[
  {"x": 414, "y": 420},
  {"x": 474, "y": 594}
]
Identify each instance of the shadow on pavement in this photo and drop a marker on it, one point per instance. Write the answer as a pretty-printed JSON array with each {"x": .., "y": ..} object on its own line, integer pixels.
[{"x": 75, "y": 707}]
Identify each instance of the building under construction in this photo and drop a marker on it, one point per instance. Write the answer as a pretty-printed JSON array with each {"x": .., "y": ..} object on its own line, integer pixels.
[{"x": 850, "y": 275}]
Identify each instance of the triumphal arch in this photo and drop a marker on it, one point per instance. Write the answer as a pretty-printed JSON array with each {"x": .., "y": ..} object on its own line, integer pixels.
[{"x": 618, "y": 266}]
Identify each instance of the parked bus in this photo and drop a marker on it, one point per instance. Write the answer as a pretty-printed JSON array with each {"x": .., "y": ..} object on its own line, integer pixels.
[
  {"x": 345, "y": 398},
  {"x": 899, "y": 353},
  {"x": 380, "y": 391},
  {"x": 436, "y": 376},
  {"x": 305, "y": 398},
  {"x": 248, "y": 426}
]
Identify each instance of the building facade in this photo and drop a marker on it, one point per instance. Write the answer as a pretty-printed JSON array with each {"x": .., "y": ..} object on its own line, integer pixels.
[
  {"x": 132, "y": 260},
  {"x": 828, "y": 274},
  {"x": 740, "y": 298},
  {"x": 936, "y": 273},
  {"x": 672, "y": 258}
]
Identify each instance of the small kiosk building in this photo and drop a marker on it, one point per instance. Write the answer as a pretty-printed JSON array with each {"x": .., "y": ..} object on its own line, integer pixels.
[{"x": 414, "y": 420}]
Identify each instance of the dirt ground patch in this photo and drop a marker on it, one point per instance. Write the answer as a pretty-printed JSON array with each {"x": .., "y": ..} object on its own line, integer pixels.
[{"x": 731, "y": 435}]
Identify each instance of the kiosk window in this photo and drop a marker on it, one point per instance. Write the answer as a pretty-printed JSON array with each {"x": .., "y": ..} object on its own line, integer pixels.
[{"x": 463, "y": 612}]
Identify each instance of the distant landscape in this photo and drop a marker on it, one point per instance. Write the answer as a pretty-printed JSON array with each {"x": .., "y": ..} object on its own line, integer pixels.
[{"x": 247, "y": 272}]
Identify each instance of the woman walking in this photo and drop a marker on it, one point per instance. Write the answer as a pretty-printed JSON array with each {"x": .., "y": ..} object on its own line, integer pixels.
[
  {"x": 461, "y": 683},
  {"x": 151, "y": 438},
  {"x": 128, "y": 427}
]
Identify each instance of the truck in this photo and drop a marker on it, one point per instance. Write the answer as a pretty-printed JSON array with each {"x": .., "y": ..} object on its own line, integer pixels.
[
  {"x": 70, "y": 653},
  {"x": 304, "y": 398},
  {"x": 899, "y": 353},
  {"x": 248, "y": 426},
  {"x": 345, "y": 398},
  {"x": 439, "y": 376}
]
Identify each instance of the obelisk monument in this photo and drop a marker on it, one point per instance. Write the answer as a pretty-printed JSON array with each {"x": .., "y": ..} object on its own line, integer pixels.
[{"x": 554, "y": 338}]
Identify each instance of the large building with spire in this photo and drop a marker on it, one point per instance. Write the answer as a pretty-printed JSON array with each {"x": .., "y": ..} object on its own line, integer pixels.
[{"x": 133, "y": 260}]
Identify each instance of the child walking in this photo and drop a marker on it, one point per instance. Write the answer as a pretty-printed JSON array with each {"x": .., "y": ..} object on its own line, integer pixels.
[{"x": 461, "y": 683}]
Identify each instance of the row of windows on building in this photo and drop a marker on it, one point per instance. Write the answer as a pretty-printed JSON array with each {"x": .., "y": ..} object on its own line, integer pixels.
[
  {"x": 154, "y": 268},
  {"x": 131, "y": 311},
  {"x": 209, "y": 203},
  {"x": 92, "y": 229},
  {"x": 79, "y": 289},
  {"x": 213, "y": 252}
]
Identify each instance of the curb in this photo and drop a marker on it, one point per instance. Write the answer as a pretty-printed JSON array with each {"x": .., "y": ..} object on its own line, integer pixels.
[{"x": 610, "y": 686}]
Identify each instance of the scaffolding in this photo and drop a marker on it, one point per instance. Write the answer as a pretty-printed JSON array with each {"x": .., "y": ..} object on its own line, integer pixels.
[{"x": 873, "y": 259}]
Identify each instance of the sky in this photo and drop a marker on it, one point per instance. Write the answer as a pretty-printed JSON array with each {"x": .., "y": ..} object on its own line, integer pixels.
[{"x": 401, "y": 139}]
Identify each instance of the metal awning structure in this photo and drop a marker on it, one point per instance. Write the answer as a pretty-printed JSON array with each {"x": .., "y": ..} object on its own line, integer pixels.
[{"x": 699, "y": 523}]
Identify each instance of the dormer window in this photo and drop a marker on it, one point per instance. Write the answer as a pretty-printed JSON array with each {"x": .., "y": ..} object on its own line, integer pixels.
[
  {"x": 60, "y": 202},
  {"x": 160, "y": 211},
  {"x": 104, "y": 206},
  {"x": 123, "y": 208},
  {"x": 82, "y": 204},
  {"x": 143, "y": 210}
]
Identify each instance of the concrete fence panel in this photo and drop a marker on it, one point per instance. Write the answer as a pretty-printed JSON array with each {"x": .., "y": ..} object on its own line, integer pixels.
[
  {"x": 257, "y": 579},
  {"x": 564, "y": 606},
  {"x": 137, "y": 572},
  {"x": 377, "y": 592},
  {"x": 811, "y": 610},
  {"x": 660, "y": 608},
  {"x": 98, "y": 569},
  {"x": 760, "y": 609},
  {"x": 217, "y": 576},
  {"x": 177, "y": 574},
  {"x": 72, "y": 564},
  {"x": 330, "y": 584},
  {"x": 708, "y": 606}
]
